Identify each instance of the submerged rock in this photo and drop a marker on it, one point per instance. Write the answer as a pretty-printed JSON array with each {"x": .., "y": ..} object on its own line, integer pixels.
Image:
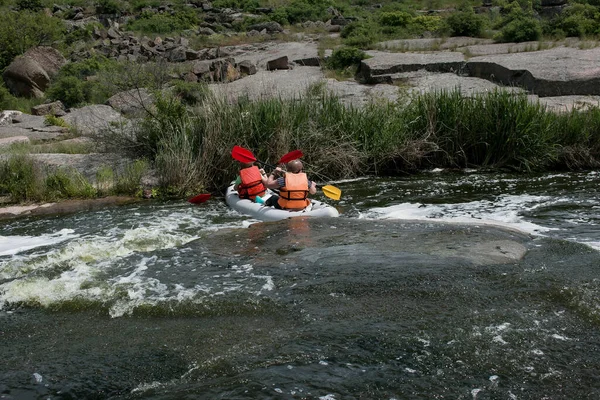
[{"x": 371, "y": 244}]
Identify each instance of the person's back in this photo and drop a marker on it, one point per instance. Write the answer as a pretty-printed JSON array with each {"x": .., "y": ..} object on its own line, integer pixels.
[
  {"x": 251, "y": 183},
  {"x": 294, "y": 188}
]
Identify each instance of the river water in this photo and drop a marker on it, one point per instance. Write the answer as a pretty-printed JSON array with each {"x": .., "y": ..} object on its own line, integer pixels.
[{"x": 144, "y": 302}]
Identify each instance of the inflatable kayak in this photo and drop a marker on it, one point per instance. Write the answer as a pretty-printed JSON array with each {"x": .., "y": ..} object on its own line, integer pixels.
[{"x": 265, "y": 213}]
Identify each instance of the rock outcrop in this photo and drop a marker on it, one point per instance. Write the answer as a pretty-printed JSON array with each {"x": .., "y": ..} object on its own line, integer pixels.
[
  {"x": 543, "y": 73},
  {"x": 30, "y": 74}
]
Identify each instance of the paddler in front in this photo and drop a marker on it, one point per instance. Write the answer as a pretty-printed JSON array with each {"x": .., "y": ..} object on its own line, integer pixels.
[{"x": 294, "y": 187}]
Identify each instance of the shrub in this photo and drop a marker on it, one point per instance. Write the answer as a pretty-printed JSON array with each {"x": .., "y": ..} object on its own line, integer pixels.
[
  {"x": 246, "y": 5},
  {"x": 149, "y": 22},
  {"x": 465, "y": 23},
  {"x": 108, "y": 7},
  {"x": 73, "y": 86},
  {"x": 137, "y": 5},
  {"x": 31, "y": 5},
  {"x": 10, "y": 102},
  {"x": 129, "y": 181},
  {"x": 429, "y": 23},
  {"x": 578, "y": 20},
  {"x": 191, "y": 93},
  {"x": 523, "y": 29},
  {"x": 359, "y": 34},
  {"x": 22, "y": 30},
  {"x": 52, "y": 120},
  {"x": 397, "y": 18},
  {"x": 68, "y": 89},
  {"x": 345, "y": 57},
  {"x": 280, "y": 16},
  {"x": 306, "y": 10}
]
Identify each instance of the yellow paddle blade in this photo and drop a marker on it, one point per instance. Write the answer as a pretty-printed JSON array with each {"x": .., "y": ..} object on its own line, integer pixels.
[{"x": 332, "y": 192}]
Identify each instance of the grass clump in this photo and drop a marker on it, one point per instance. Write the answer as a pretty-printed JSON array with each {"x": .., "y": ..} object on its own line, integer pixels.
[
  {"x": 67, "y": 184},
  {"x": 52, "y": 120}
]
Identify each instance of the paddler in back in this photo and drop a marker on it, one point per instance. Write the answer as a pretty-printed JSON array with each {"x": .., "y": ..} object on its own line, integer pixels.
[{"x": 294, "y": 187}]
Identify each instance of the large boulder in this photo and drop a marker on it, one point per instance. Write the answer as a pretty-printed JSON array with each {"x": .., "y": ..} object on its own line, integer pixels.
[
  {"x": 95, "y": 120},
  {"x": 132, "y": 102},
  {"x": 30, "y": 74}
]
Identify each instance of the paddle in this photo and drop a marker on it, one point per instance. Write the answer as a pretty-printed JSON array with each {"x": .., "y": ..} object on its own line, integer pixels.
[
  {"x": 244, "y": 155},
  {"x": 201, "y": 198}
]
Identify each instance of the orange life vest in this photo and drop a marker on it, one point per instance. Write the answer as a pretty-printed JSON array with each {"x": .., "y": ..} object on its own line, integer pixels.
[
  {"x": 251, "y": 185},
  {"x": 293, "y": 195}
]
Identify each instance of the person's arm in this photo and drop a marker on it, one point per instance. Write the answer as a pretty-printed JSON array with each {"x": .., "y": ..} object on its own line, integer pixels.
[
  {"x": 312, "y": 187},
  {"x": 271, "y": 181},
  {"x": 263, "y": 177},
  {"x": 238, "y": 180}
]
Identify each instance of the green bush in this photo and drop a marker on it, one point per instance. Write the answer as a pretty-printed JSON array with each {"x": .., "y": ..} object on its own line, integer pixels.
[
  {"x": 109, "y": 7},
  {"x": 360, "y": 34},
  {"x": 75, "y": 85},
  {"x": 149, "y": 22},
  {"x": 30, "y": 5},
  {"x": 578, "y": 20},
  {"x": 24, "y": 29},
  {"x": 397, "y": 18},
  {"x": 431, "y": 23},
  {"x": 345, "y": 57},
  {"x": 68, "y": 89},
  {"x": 191, "y": 93},
  {"x": 307, "y": 10},
  {"x": 246, "y": 5},
  {"x": 10, "y": 102},
  {"x": 522, "y": 29},
  {"x": 466, "y": 23}
]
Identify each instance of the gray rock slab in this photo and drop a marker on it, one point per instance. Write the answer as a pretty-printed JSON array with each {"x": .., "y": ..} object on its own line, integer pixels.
[
  {"x": 382, "y": 63},
  {"x": 426, "y": 82},
  {"x": 93, "y": 120},
  {"x": 476, "y": 50},
  {"x": 7, "y": 142},
  {"x": 568, "y": 103},
  {"x": 431, "y": 44},
  {"x": 357, "y": 95},
  {"x": 556, "y": 72},
  {"x": 131, "y": 102},
  {"x": 86, "y": 164},
  {"x": 28, "y": 121},
  {"x": 49, "y": 133},
  {"x": 267, "y": 84},
  {"x": 301, "y": 53}
]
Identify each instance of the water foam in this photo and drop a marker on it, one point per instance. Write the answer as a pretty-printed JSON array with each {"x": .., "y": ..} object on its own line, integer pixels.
[
  {"x": 11, "y": 245},
  {"x": 97, "y": 266},
  {"x": 504, "y": 211}
]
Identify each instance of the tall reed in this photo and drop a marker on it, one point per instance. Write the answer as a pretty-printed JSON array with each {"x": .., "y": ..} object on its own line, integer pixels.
[{"x": 446, "y": 129}]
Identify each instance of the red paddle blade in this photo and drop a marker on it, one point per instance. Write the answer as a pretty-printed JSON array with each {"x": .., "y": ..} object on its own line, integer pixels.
[
  {"x": 241, "y": 154},
  {"x": 292, "y": 155},
  {"x": 201, "y": 198}
]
